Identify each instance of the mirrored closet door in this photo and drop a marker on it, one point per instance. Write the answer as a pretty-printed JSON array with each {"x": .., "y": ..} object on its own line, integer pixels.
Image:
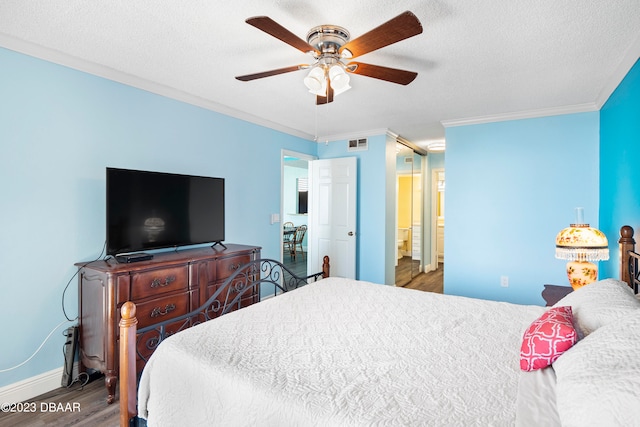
[{"x": 409, "y": 213}]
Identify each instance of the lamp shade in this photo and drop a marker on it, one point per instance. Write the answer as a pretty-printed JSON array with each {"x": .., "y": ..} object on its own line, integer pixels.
[{"x": 579, "y": 242}]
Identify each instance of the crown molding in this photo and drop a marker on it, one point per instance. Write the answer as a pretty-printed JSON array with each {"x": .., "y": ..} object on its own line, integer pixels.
[
  {"x": 530, "y": 114},
  {"x": 626, "y": 63},
  {"x": 98, "y": 70}
]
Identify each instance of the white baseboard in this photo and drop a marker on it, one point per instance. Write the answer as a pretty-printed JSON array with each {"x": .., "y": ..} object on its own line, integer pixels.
[
  {"x": 31, "y": 387},
  {"x": 35, "y": 386}
]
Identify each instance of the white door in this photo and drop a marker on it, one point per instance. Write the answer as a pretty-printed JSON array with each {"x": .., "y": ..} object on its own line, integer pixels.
[{"x": 332, "y": 215}]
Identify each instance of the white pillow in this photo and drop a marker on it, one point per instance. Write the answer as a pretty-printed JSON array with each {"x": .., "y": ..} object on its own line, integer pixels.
[
  {"x": 599, "y": 303},
  {"x": 598, "y": 379}
]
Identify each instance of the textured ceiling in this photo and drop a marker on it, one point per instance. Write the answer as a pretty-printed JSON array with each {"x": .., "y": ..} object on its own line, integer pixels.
[{"x": 476, "y": 60}]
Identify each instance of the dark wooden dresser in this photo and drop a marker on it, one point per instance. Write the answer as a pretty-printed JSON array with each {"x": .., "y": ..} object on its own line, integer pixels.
[{"x": 169, "y": 285}]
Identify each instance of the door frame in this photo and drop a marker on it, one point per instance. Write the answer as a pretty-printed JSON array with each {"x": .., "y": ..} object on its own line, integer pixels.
[
  {"x": 434, "y": 218},
  {"x": 302, "y": 156}
]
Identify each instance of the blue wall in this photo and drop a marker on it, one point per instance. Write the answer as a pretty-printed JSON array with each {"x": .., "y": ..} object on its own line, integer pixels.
[
  {"x": 619, "y": 167},
  {"x": 511, "y": 187},
  {"x": 59, "y": 129},
  {"x": 371, "y": 219}
]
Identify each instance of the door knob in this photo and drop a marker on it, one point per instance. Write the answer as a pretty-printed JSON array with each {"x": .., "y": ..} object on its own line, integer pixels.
[{"x": 350, "y": 233}]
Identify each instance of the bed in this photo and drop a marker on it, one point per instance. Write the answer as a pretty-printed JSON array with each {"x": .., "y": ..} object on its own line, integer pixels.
[{"x": 341, "y": 352}]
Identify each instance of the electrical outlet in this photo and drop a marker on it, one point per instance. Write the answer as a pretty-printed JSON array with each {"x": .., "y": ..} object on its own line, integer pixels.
[{"x": 504, "y": 281}]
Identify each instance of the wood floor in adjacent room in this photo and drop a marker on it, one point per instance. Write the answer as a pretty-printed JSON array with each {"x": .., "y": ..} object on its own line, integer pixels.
[
  {"x": 91, "y": 398},
  {"x": 428, "y": 282}
]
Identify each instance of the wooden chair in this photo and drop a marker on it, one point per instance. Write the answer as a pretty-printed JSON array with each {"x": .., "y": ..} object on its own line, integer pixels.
[
  {"x": 287, "y": 236},
  {"x": 297, "y": 240}
]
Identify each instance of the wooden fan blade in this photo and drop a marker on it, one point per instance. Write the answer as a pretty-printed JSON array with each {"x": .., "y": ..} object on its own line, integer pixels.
[
  {"x": 270, "y": 73},
  {"x": 271, "y": 27},
  {"x": 321, "y": 100},
  {"x": 399, "y": 28},
  {"x": 392, "y": 75}
]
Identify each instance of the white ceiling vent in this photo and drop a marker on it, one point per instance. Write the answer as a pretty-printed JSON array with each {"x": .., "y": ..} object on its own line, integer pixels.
[{"x": 358, "y": 144}]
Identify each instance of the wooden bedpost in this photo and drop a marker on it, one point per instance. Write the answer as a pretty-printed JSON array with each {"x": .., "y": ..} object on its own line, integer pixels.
[
  {"x": 626, "y": 244},
  {"x": 127, "y": 369},
  {"x": 325, "y": 267}
]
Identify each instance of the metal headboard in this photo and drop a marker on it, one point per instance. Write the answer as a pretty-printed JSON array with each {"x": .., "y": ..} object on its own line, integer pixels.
[{"x": 634, "y": 273}]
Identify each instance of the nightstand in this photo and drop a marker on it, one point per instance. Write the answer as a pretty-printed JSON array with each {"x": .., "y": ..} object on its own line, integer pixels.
[{"x": 554, "y": 293}]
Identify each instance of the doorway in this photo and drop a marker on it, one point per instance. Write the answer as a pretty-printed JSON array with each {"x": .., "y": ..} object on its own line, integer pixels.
[
  {"x": 438, "y": 180},
  {"x": 294, "y": 211},
  {"x": 409, "y": 214}
]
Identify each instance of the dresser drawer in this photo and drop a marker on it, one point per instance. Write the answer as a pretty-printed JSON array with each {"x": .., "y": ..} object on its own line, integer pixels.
[
  {"x": 227, "y": 266},
  {"x": 152, "y": 283},
  {"x": 160, "y": 309}
]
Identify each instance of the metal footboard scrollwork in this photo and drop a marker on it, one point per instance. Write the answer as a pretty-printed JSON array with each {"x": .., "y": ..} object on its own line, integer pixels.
[
  {"x": 243, "y": 287},
  {"x": 247, "y": 285}
]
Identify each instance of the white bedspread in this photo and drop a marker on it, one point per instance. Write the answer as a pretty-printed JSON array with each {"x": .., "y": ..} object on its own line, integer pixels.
[{"x": 340, "y": 352}]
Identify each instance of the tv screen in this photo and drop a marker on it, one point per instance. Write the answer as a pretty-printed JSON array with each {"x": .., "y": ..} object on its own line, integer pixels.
[{"x": 153, "y": 210}]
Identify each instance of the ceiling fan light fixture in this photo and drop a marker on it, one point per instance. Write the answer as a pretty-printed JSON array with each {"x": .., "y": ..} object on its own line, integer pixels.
[
  {"x": 316, "y": 81},
  {"x": 339, "y": 79},
  {"x": 343, "y": 89}
]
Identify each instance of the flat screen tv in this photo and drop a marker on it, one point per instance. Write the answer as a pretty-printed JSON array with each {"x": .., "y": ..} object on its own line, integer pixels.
[{"x": 153, "y": 210}]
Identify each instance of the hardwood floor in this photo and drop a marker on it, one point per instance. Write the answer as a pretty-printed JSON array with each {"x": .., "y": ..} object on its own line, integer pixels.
[
  {"x": 73, "y": 406},
  {"x": 91, "y": 399},
  {"x": 429, "y": 282},
  {"x": 298, "y": 265}
]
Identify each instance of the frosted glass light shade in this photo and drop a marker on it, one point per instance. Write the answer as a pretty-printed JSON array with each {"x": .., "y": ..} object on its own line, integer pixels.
[
  {"x": 339, "y": 79},
  {"x": 316, "y": 81}
]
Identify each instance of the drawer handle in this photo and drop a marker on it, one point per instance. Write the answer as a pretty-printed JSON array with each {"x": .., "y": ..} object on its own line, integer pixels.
[
  {"x": 234, "y": 267},
  {"x": 158, "y": 283},
  {"x": 160, "y": 312}
]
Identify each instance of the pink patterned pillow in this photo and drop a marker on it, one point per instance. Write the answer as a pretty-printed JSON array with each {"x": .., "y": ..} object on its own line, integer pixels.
[{"x": 547, "y": 338}]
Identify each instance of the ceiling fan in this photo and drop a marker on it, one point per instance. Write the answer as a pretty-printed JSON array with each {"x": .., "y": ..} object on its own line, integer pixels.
[{"x": 330, "y": 46}]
